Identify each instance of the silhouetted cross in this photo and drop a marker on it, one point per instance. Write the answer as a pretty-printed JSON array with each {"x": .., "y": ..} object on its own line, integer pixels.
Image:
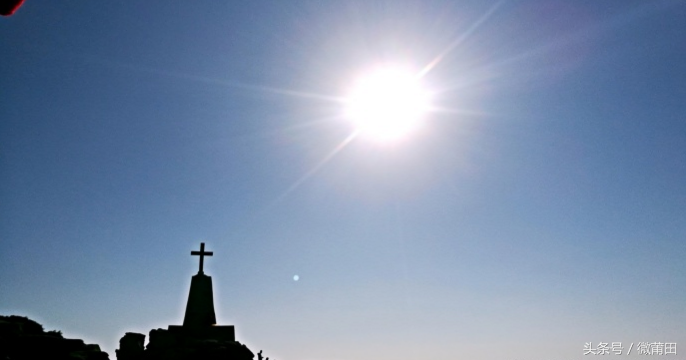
[{"x": 202, "y": 254}]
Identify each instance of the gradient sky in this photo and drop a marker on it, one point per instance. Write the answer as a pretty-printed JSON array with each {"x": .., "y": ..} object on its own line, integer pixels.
[{"x": 541, "y": 206}]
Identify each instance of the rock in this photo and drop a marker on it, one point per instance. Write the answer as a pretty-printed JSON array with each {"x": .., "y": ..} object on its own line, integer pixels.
[
  {"x": 161, "y": 339},
  {"x": 22, "y": 338},
  {"x": 19, "y": 325},
  {"x": 131, "y": 347}
]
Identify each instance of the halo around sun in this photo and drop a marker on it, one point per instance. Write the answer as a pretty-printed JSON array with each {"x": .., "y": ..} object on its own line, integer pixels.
[{"x": 387, "y": 103}]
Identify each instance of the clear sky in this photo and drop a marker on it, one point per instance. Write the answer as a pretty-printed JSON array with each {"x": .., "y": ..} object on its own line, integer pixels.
[{"x": 541, "y": 204}]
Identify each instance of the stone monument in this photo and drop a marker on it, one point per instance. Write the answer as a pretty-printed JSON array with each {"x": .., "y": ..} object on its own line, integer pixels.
[
  {"x": 198, "y": 338},
  {"x": 200, "y": 320}
]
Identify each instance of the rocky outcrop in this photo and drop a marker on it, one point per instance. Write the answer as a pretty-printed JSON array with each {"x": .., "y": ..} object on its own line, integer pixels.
[
  {"x": 22, "y": 338},
  {"x": 168, "y": 345},
  {"x": 130, "y": 347}
]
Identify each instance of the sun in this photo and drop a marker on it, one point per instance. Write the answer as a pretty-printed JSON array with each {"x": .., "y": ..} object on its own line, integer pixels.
[{"x": 387, "y": 103}]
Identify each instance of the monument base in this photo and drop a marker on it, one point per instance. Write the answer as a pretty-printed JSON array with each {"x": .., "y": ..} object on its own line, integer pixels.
[
  {"x": 183, "y": 343},
  {"x": 215, "y": 332}
]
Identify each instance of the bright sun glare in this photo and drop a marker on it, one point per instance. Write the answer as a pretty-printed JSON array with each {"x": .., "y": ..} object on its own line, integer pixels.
[{"x": 387, "y": 104}]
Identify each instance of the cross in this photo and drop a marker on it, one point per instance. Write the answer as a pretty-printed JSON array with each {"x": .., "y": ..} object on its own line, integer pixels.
[{"x": 202, "y": 254}]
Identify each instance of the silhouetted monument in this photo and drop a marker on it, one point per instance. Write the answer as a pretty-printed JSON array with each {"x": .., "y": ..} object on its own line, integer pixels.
[
  {"x": 199, "y": 337},
  {"x": 200, "y": 319}
]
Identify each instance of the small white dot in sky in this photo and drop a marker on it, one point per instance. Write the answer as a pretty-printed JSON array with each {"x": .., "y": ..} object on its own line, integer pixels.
[{"x": 296, "y": 278}]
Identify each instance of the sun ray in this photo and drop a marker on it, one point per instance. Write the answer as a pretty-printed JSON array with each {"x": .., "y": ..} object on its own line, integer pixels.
[
  {"x": 297, "y": 93},
  {"x": 433, "y": 63},
  {"x": 316, "y": 167},
  {"x": 477, "y": 113}
]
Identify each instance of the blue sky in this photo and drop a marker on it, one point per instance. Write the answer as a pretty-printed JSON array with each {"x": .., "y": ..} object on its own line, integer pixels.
[{"x": 541, "y": 206}]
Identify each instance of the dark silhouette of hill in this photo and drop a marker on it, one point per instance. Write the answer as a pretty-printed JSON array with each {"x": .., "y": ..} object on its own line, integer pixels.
[
  {"x": 24, "y": 339},
  {"x": 198, "y": 338}
]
